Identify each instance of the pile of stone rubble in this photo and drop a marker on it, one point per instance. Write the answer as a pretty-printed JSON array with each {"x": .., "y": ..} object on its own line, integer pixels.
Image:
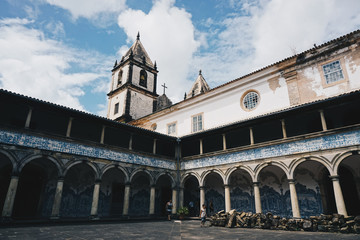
[{"x": 323, "y": 223}]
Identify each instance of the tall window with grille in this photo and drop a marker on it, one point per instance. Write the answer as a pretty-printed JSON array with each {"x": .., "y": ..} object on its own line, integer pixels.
[
  {"x": 333, "y": 72},
  {"x": 197, "y": 123},
  {"x": 171, "y": 127}
]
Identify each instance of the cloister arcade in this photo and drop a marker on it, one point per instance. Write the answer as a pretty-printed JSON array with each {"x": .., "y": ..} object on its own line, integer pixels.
[{"x": 307, "y": 186}]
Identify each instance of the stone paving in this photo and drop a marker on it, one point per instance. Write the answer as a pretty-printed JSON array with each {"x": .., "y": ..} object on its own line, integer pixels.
[{"x": 189, "y": 229}]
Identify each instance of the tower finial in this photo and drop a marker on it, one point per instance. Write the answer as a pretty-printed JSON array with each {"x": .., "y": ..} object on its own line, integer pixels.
[
  {"x": 200, "y": 72},
  {"x": 138, "y": 36}
]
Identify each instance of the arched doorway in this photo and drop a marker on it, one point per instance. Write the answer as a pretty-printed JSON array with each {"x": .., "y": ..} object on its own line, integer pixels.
[
  {"x": 314, "y": 189},
  {"x": 140, "y": 195},
  {"x": 36, "y": 189},
  {"x": 274, "y": 191},
  {"x": 5, "y": 176},
  {"x": 192, "y": 195},
  {"x": 214, "y": 192},
  {"x": 349, "y": 176},
  {"x": 241, "y": 191},
  {"x": 111, "y": 197},
  {"x": 163, "y": 194},
  {"x": 78, "y": 191}
]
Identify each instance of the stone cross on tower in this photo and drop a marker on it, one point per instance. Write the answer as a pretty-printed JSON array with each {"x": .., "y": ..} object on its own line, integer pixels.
[{"x": 164, "y": 87}]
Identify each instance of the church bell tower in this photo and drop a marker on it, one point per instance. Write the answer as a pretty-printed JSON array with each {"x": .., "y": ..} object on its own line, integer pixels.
[{"x": 133, "y": 86}]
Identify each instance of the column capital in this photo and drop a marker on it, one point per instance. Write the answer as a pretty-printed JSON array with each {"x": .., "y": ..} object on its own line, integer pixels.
[
  {"x": 127, "y": 184},
  {"x": 152, "y": 185},
  {"x": 256, "y": 183},
  {"x": 202, "y": 187},
  {"x": 226, "y": 185},
  {"x": 291, "y": 181},
  {"x": 97, "y": 181},
  {"x": 334, "y": 177},
  {"x": 61, "y": 179}
]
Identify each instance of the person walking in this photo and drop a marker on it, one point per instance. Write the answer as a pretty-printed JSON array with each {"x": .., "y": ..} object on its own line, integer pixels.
[
  {"x": 168, "y": 209},
  {"x": 203, "y": 215}
]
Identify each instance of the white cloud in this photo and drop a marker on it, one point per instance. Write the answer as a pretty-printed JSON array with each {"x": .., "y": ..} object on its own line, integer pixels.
[
  {"x": 259, "y": 33},
  {"x": 94, "y": 10},
  {"x": 167, "y": 34},
  {"x": 33, "y": 65}
]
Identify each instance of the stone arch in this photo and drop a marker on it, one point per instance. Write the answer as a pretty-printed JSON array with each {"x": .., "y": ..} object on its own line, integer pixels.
[
  {"x": 111, "y": 166},
  {"x": 10, "y": 156},
  {"x": 213, "y": 183},
  {"x": 95, "y": 167},
  {"x": 189, "y": 174},
  {"x": 28, "y": 159},
  {"x": 240, "y": 182},
  {"x": 233, "y": 169},
  {"x": 173, "y": 182},
  {"x": 38, "y": 176},
  {"x": 151, "y": 179},
  {"x": 206, "y": 173},
  {"x": 298, "y": 161},
  {"x": 261, "y": 166},
  {"x": 339, "y": 158}
]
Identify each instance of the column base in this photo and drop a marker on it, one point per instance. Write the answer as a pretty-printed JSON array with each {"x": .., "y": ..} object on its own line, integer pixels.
[
  {"x": 55, "y": 217},
  {"x": 94, "y": 217},
  {"x": 6, "y": 220}
]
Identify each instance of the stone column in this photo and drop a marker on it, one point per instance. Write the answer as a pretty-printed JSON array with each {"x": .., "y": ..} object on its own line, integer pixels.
[
  {"x": 10, "y": 197},
  {"x": 126, "y": 199},
  {"x": 28, "y": 118},
  {"x": 102, "y": 134},
  {"x": 224, "y": 141},
  {"x": 130, "y": 142},
  {"x": 227, "y": 198},
  {"x": 95, "y": 201},
  {"x": 339, "y": 199},
  {"x": 201, "y": 146},
  {"x": 57, "y": 199},
  {"x": 251, "y": 136},
  {"x": 294, "y": 199},
  {"x": 174, "y": 201},
  {"x": 257, "y": 197},
  {"x": 68, "y": 131},
  {"x": 323, "y": 121},
  {"x": 152, "y": 200},
  {"x": 181, "y": 197},
  {"x": 202, "y": 196},
  {"x": 283, "y": 127},
  {"x": 154, "y": 146}
]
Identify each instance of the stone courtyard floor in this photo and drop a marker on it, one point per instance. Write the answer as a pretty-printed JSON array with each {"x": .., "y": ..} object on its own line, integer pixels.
[{"x": 188, "y": 229}]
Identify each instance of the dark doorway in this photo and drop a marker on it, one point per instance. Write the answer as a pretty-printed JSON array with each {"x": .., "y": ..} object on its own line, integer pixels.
[
  {"x": 327, "y": 193},
  {"x": 192, "y": 195},
  {"x": 5, "y": 176},
  {"x": 28, "y": 195},
  {"x": 163, "y": 194},
  {"x": 117, "y": 199}
]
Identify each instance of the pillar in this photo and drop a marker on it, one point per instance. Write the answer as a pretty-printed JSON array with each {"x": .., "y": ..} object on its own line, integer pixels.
[
  {"x": 126, "y": 199},
  {"x": 174, "y": 201},
  {"x": 227, "y": 198},
  {"x": 68, "y": 131},
  {"x": 28, "y": 118},
  {"x": 152, "y": 200},
  {"x": 283, "y": 127},
  {"x": 224, "y": 141},
  {"x": 257, "y": 197},
  {"x": 181, "y": 197},
  {"x": 10, "y": 197},
  {"x": 201, "y": 146},
  {"x": 294, "y": 199},
  {"x": 57, "y": 199},
  {"x": 323, "y": 121},
  {"x": 154, "y": 147},
  {"x": 95, "y": 201},
  {"x": 202, "y": 196},
  {"x": 102, "y": 134},
  {"x": 251, "y": 136},
  {"x": 339, "y": 199},
  {"x": 130, "y": 142}
]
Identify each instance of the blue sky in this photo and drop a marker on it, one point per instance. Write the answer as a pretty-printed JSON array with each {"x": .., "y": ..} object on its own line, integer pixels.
[{"x": 62, "y": 51}]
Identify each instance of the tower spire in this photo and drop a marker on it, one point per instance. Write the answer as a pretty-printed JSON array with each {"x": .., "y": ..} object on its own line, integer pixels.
[{"x": 138, "y": 36}]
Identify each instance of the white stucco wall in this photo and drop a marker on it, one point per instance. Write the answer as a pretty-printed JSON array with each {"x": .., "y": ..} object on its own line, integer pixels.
[
  {"x": 114, "y": 82},
  {"x": 118, "y": 98}
]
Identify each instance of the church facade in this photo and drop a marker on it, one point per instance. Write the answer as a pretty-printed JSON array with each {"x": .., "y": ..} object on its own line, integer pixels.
[{"x": 284, "y": 139}]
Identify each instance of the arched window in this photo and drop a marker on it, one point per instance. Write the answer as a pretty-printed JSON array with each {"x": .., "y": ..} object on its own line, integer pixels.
[
  {"x": 120, "y": 77},
  {"x": 143, "y": 78}
]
